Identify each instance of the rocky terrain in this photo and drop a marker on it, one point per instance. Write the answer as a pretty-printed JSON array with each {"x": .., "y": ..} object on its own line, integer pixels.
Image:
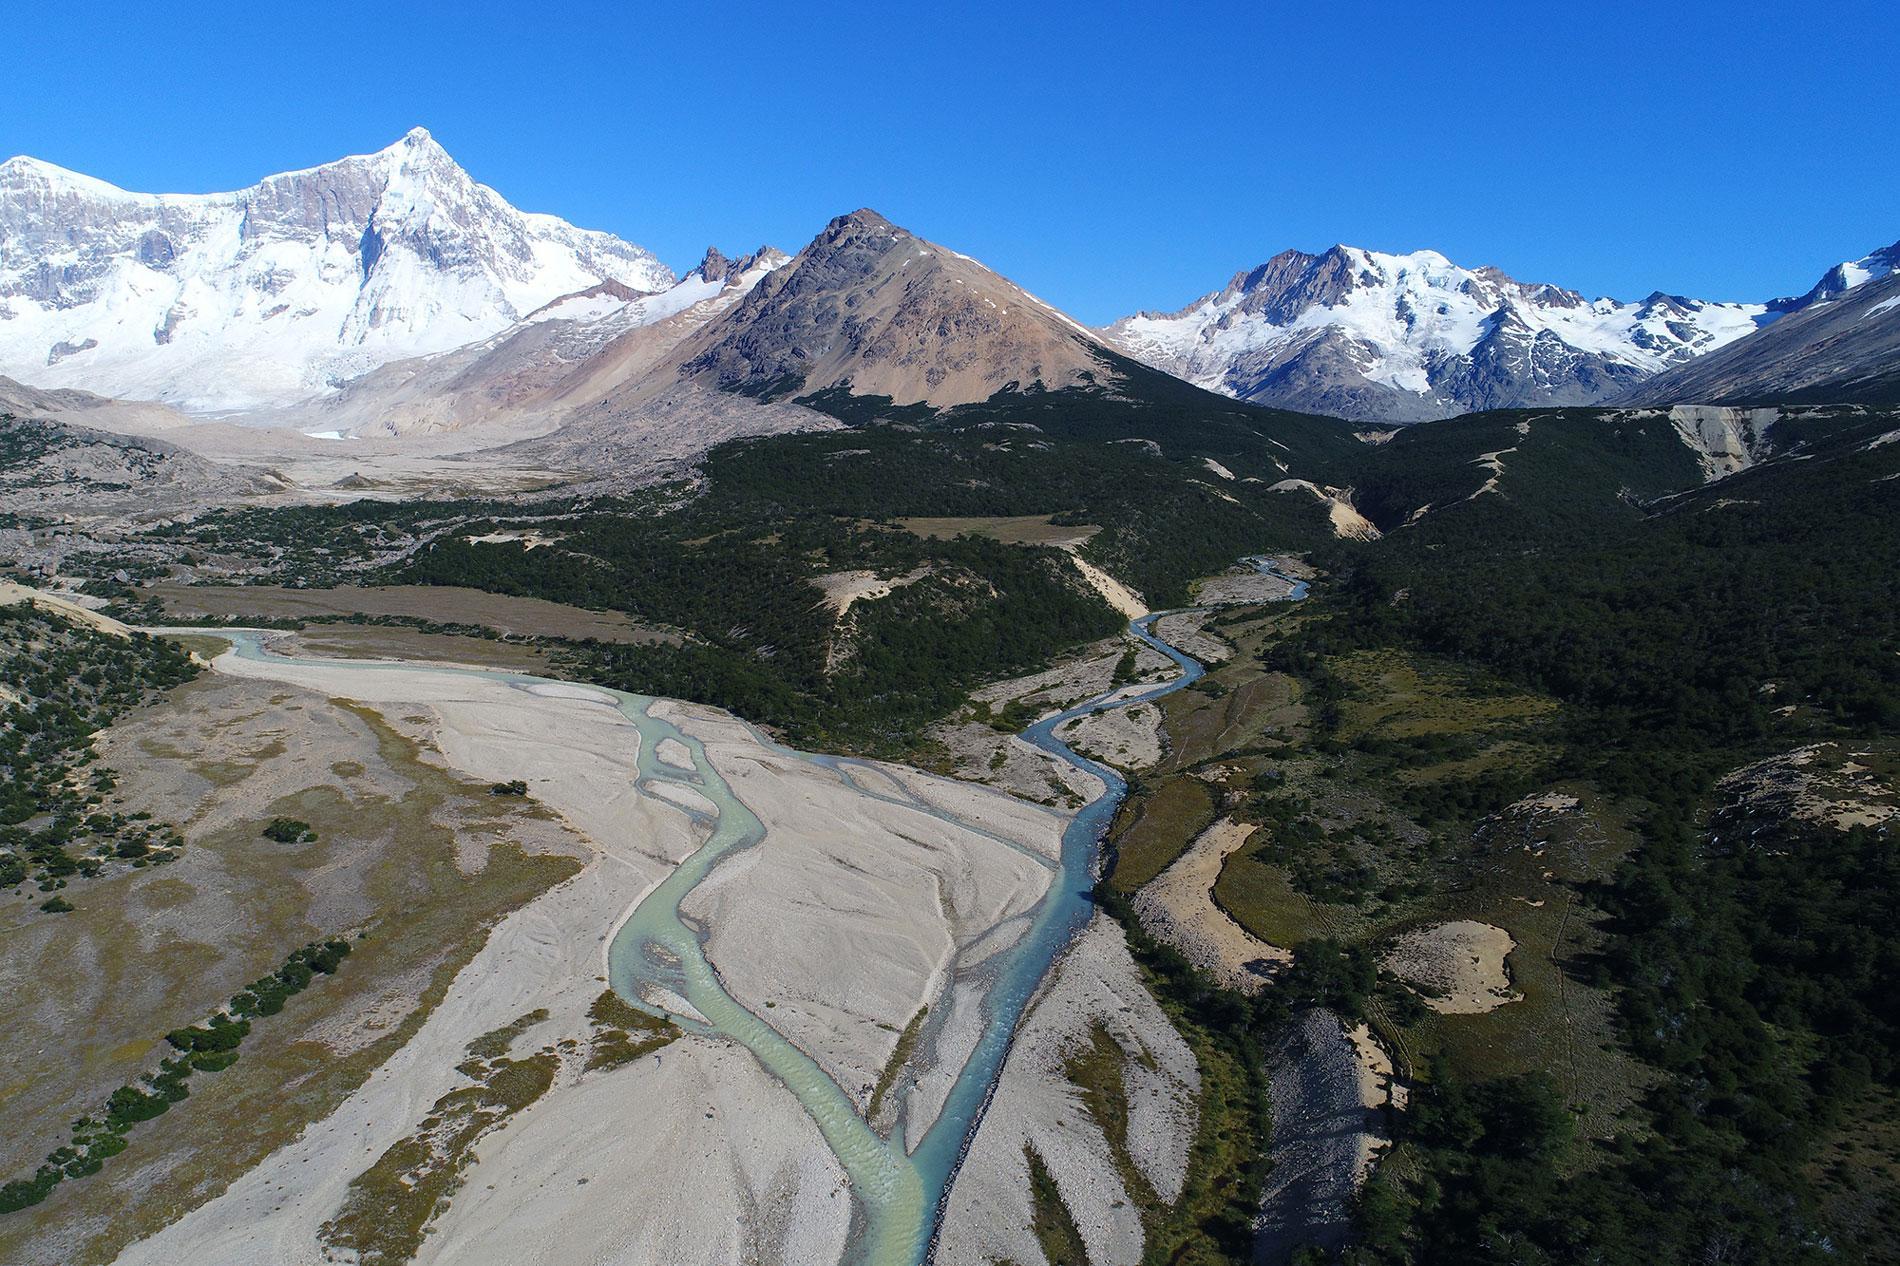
[
  {"x": 874, "y": 310},
  {"x": 1824, "y": 784},
  {"x": 1328, "y": 1122},
  {"x": 980, "y": 743},
  {"x": 1842, "y": 349},
  {"x": 85, "y": 408},
  {"x": 76, "y": 473}
]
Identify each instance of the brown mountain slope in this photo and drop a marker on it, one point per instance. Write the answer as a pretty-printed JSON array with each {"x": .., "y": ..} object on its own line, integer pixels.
[
  {"x": 874, "y": 308},
  {"x": 867, "y": 308},
  {"x": 538, "y": 374},
  {"x": 83, "y": 408}
]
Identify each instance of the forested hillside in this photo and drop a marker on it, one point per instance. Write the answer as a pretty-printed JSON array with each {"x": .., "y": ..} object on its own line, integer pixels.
[
  {"x": 1749, "y": 942},
  {"x": 739, "y": 561},
  {"x": 735, "y": 566},
  {"x": 60, "y": 682}
]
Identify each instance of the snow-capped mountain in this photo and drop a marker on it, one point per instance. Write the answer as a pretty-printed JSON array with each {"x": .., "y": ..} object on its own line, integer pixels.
[
  {"x": 1843, "y": 277},
  {"x": 281, "y": 291},
  {"x": 1405, "y": 338}
]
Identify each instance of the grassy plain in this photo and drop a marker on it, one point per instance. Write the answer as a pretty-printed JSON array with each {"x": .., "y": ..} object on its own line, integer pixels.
[
  {"x": 1008, "y": 529},
  {"x": 1369, "y": 783},
  {"x": 440, "y": 604}
]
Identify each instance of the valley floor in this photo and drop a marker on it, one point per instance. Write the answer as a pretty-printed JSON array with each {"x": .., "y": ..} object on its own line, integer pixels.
[
  {"x": 841, "y": 948},
  {"x": 497, "y": 1101},
  {"x": 489, "y": 1102}
]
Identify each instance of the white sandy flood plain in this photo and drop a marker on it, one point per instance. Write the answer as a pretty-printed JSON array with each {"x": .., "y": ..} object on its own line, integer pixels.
[
  {"x": 867, "y": 896},
  {"x": 856, "y": 909}
]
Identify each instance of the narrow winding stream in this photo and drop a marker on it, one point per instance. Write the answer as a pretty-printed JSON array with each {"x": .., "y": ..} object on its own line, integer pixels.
[{"x": 657, "y": 961}]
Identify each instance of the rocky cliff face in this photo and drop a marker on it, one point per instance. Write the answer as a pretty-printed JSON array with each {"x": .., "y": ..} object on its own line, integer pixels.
[
  {"x": 1725, "y": 440},
  {"x": 281, "y": 291},
  {"x": 1406, "y": 338}
]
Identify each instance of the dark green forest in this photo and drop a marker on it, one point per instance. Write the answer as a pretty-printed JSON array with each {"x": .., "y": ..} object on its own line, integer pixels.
[
  {"x": 729, "y": 563},
  {"x": 1686, "y": 636}
]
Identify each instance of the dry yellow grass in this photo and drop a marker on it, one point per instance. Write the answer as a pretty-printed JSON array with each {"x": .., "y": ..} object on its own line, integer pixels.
[
  {"x": 444, "y": 604},
  {"x": 1020, "y": 529}
]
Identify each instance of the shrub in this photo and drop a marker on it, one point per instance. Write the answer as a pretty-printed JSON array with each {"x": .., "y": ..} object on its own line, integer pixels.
[
  {"x": 22, "y": 1192},
  {"x": 129, "y": 1105},
  {"x": 289, "y": 831},
  {"x": 222, "y": 1035}
]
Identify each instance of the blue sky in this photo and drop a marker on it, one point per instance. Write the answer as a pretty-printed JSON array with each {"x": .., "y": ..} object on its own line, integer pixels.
[{"x": 1107, "y": 156}]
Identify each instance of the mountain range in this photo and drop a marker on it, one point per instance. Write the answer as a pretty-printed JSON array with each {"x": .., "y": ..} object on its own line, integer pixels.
[
  {"x": 391, "y": 294},
  {"x": 1407, "y": 338}
]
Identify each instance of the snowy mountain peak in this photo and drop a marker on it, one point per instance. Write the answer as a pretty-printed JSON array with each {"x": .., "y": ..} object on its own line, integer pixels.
[
  {"x": 1843, "y": 277},
  {"x": 281, "y": 291},
  {"x": 25, "y": 166},
  {"x": 24, "y": 174},
  {"x": 1409, "y": 336}
]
